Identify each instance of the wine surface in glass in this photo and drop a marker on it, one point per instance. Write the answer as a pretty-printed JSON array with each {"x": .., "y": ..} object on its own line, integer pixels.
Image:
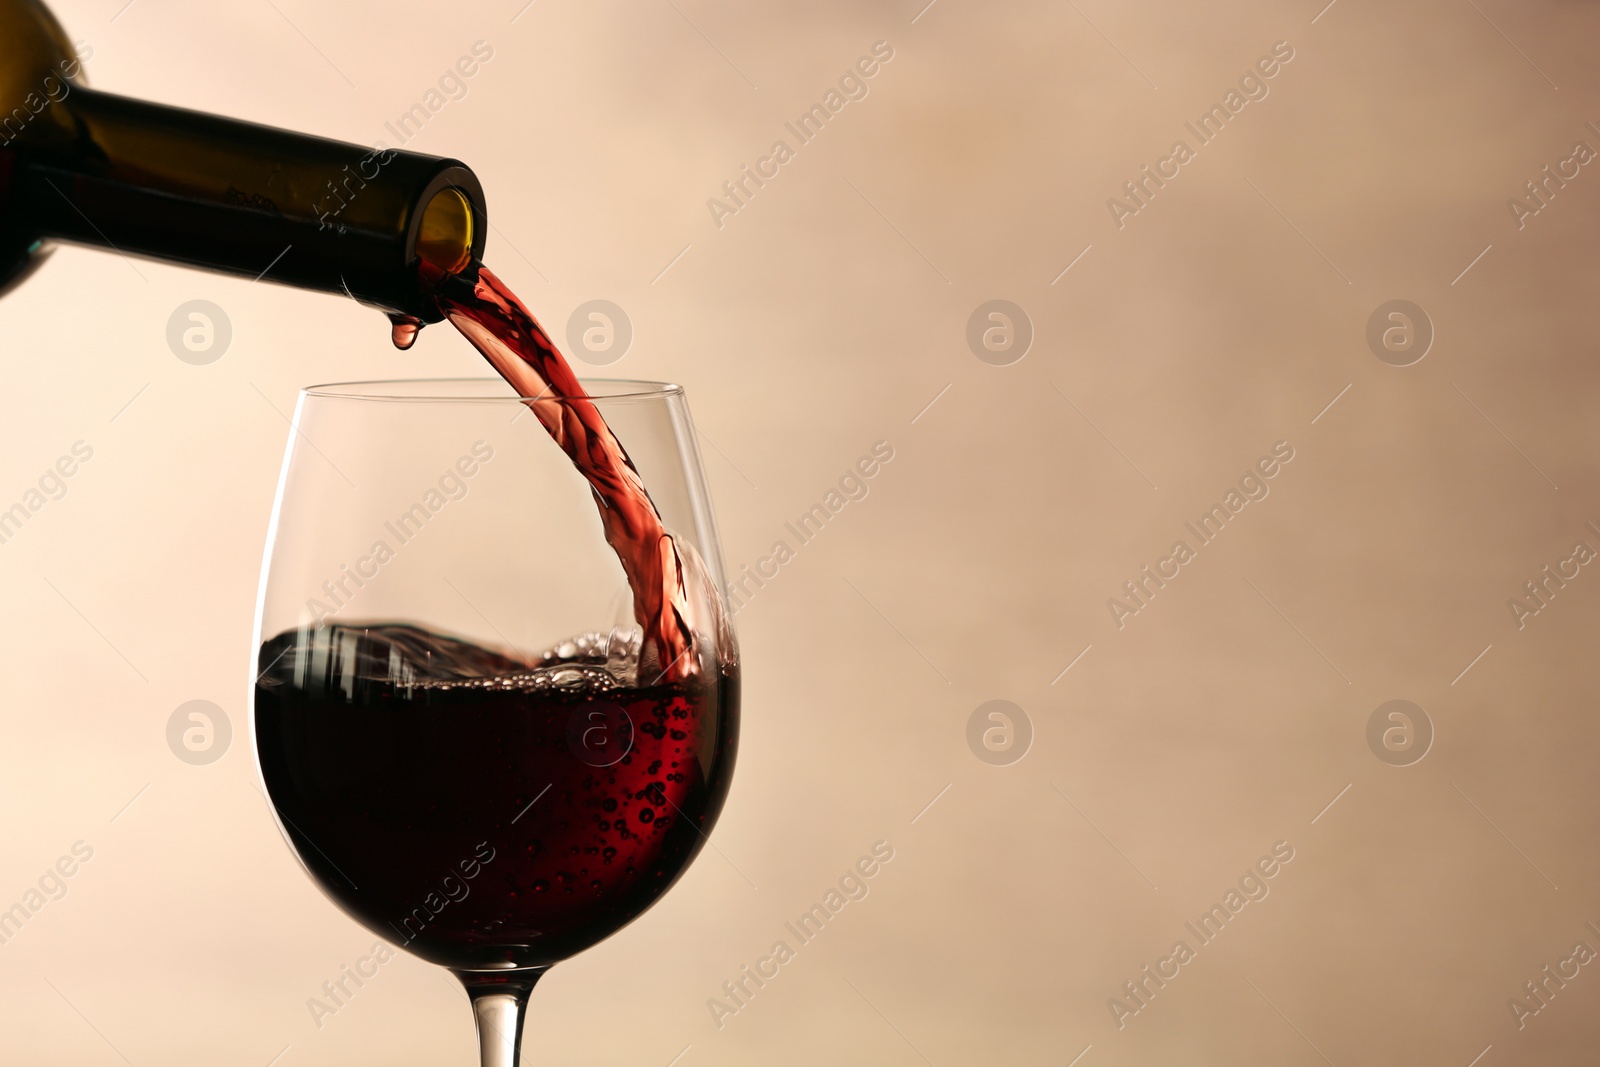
[{"x": 481, "y": 810}]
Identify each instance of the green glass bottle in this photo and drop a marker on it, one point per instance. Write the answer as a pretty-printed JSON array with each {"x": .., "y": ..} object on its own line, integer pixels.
[{"x": 144, "y": 179}]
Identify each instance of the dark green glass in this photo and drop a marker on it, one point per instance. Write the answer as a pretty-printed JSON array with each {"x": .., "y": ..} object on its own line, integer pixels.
[{"x": 210, "y": 192}]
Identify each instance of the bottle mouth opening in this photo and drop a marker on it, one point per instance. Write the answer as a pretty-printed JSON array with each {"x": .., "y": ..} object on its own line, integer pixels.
[{"x": 445, "y": 236}]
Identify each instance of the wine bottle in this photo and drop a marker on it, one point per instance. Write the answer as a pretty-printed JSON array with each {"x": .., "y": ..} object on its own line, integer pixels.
[{"x": 87, "y": 167}]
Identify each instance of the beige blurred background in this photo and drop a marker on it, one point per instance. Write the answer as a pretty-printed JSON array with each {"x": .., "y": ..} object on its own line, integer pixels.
[{"x": 1230, "y": 714}]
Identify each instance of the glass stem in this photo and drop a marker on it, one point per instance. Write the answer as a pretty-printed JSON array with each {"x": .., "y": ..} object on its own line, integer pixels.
[{"x": 499, "y": 1002}]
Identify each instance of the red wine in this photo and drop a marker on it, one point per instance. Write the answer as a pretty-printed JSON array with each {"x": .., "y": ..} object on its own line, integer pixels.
[
  {"x": 481, "y": 810},
  {"x": 490, "y": 316},
  {"x": 485, "y": 811}
]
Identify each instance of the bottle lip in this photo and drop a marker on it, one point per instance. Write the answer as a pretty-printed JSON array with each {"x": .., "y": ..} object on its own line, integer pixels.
[
  {"x": 456, "y": 176},
  {"x": 482, "y": 390},
  {"x": 452, "y": 175}
]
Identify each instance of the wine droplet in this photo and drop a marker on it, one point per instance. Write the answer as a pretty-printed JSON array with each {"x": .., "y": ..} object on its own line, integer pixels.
[{"x": 405, "y": 331}]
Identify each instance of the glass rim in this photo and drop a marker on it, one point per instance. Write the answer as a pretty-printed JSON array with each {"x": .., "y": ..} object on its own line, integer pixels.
[{"x": 495, "y": 390}]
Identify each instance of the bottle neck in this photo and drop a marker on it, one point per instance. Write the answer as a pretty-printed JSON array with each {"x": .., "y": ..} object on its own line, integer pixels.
[{"x": 236, "y": 197}]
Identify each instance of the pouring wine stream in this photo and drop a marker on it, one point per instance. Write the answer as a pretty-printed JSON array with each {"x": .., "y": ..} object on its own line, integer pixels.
[{"x": 500, "y": 327}]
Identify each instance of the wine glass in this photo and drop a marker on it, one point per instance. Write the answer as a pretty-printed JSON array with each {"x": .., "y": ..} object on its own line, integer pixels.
[{"x": 462, "y": 738}]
